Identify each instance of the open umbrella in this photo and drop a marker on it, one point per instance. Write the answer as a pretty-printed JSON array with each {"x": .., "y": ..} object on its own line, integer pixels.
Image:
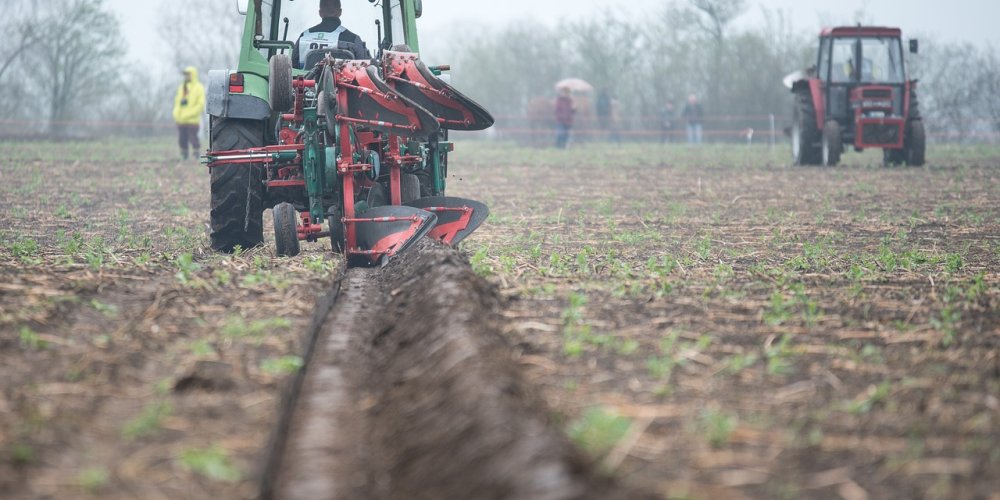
[{"x": 575, "y": 85}]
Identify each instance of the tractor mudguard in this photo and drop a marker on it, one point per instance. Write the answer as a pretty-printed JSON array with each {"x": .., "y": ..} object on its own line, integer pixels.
[
  {"x": 383, "y": 232},
  {"x": 409, "y": 76},
  {"x": 221, "y": 103},
  {"x": 457, "y": 218},
  {"x": 372, "y": 104}
]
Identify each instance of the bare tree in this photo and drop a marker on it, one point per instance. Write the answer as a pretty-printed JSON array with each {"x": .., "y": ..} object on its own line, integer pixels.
[
  {"x": 604, "y": 48},
  {"x": 714, "y": 19},
  {"x": 201, "y": 34},
  {"x": 24, "y": 31},
  {"x": 20, "y": 24},
  {"x": 717, "y": 15},
  {"x": 987, "y": 85},
  {"x": 947, "y": 96},
  {"x": 76, "y": 69}
]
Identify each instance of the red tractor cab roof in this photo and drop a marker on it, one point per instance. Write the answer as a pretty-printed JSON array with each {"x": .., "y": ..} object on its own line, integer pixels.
[{"x": 851, "y": 31}]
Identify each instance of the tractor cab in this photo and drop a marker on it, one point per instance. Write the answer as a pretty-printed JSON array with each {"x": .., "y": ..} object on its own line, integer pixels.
[
  {"x": 858, "y": 94},
  {"x": 277, "y": 24},
  {"x": 862, "y": 72}
]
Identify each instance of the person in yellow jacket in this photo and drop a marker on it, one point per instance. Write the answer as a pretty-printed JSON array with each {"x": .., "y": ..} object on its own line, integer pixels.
[{"x": 189, "y": 105}]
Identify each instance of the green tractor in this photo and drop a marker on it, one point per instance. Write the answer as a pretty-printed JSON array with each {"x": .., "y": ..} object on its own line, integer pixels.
[{"x": 349, "y": 147}]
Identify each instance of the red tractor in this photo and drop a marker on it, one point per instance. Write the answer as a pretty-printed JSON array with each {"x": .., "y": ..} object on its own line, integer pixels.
[{"x": 859, "y": 95}]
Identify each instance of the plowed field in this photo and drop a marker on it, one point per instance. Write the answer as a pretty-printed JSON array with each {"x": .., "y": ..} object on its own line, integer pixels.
[{"x": 704, "y": 323}]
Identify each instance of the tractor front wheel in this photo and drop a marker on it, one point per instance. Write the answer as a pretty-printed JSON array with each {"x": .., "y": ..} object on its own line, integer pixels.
[
  {"x": 832, "y": 144},
  {"x": 805, "y": 135},
  {"x": 286, "y": 233},
  {"x": 409, "y": 187},
  {"x": 237, "y": 217},
  {"x": 281, "y": 96},
  {"x": 916, "y": 143}
]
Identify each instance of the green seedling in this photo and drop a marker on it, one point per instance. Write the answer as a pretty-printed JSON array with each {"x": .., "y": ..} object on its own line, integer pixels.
[
  {"x": 598, "y": 430},
  {"x": 282, "y": 366},
  {"x": 717, "y": 427},
  {"x": 92, "y": 479},
  {"x": 186, "y": 269},
  {"x": 32, "y": 340},
  {"x": 109, "y": 310},
  {"x": 236, "y": 327},
  {"x": 213, "y": 463},
  {"x": 778, "y": 356},
  {"x": 480, "y": 262},
  {"x": 149, "y": 422},
  {"x": 874, "y": 396},
  {"x": 202, "y": 349},
  {"x": 779, "y": 311}
]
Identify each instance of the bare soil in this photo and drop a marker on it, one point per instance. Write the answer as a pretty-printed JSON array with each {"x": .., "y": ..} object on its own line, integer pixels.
[
  {"x": 768, "y": 331},
  {"x": 136, "y": 364},
  {"x": 411, "y": 393},
  {"x": 706, "y": 323}
]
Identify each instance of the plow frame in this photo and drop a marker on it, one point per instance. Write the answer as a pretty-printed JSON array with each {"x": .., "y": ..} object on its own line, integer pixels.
[{"x": 349, "y": 132}]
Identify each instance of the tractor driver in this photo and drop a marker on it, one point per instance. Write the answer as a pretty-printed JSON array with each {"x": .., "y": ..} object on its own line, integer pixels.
[{"x": 329, "y": 34}]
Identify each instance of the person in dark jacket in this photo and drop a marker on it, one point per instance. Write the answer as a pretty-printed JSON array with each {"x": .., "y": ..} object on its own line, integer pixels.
[
  {"x": 693, "y": 114},
  {"x": 565, "y": 109},
  {"x": 666, "y": 121},
  {"x": 328, "y": 35}
]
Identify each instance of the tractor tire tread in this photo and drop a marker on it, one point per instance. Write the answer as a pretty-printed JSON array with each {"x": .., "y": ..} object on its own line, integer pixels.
[
  {"x": 805, "y": 113},
  {"x": 286, "y": 237},
  {"x": 916, "y": 143},
  {"x": 237, "y": 191}
]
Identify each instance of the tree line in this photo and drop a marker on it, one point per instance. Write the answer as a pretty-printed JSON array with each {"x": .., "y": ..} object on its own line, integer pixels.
[
  {"x": 67, "y": 74},
  {"x": 694, "y": 47},
  {"x": 67, "y": 65}
]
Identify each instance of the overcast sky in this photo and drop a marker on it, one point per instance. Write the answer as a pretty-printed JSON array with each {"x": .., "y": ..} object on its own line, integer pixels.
[{"x": 948, "y": 20}]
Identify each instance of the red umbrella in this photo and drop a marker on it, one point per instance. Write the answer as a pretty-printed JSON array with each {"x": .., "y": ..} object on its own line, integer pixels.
[{"x": 575, "y": 85}]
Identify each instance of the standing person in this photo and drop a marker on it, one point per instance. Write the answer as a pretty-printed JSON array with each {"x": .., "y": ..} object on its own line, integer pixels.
[
  {"x": 602, "y": 108},
  {"x": 189, "y": 105},
  {"x": 329, "y": 34},
  {"x": 693, "y": 114},
  {"x": 615, "y": 121},
  {"x": 666, "y": 121},
  {"x": 565, "y": 109}
]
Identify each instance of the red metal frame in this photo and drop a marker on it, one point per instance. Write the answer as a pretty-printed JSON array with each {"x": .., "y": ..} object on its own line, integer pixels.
[
  {"x": 263, "y": 154},
  {"x": 309, "y": 231},
  {"x": 384, "y": 135},
  {"x": 448, "y": 231},
  {"x": 353, "y": 75},
  {"x": 846, "y": 31},
  {"x": 819, "y": 103},
  {"x": 398, "y": 64},
  {"x": 862, "y": 104}
]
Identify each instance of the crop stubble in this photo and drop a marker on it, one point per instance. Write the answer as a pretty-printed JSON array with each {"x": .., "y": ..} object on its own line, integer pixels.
[{"x": 766, "y": 331}]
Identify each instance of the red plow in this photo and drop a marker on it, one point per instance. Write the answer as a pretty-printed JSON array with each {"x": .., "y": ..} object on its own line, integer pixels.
[{"x": 361, "y": 148}]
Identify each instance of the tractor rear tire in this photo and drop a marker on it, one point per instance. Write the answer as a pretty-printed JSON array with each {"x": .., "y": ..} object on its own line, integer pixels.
[
  {"x": 916, "y": 143},
  {"x": 805, "y": 135},
  {"x": 286, "y": 233},
  {"x": 280, "y": 95},
  {"x": 237, "y": 201},
  {"x": 409, "y": 187},
  {"x": 833, "y": 144}
]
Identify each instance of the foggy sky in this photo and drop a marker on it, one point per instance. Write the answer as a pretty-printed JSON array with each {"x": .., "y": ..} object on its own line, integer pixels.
[{"x": 951, "y": 21}]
